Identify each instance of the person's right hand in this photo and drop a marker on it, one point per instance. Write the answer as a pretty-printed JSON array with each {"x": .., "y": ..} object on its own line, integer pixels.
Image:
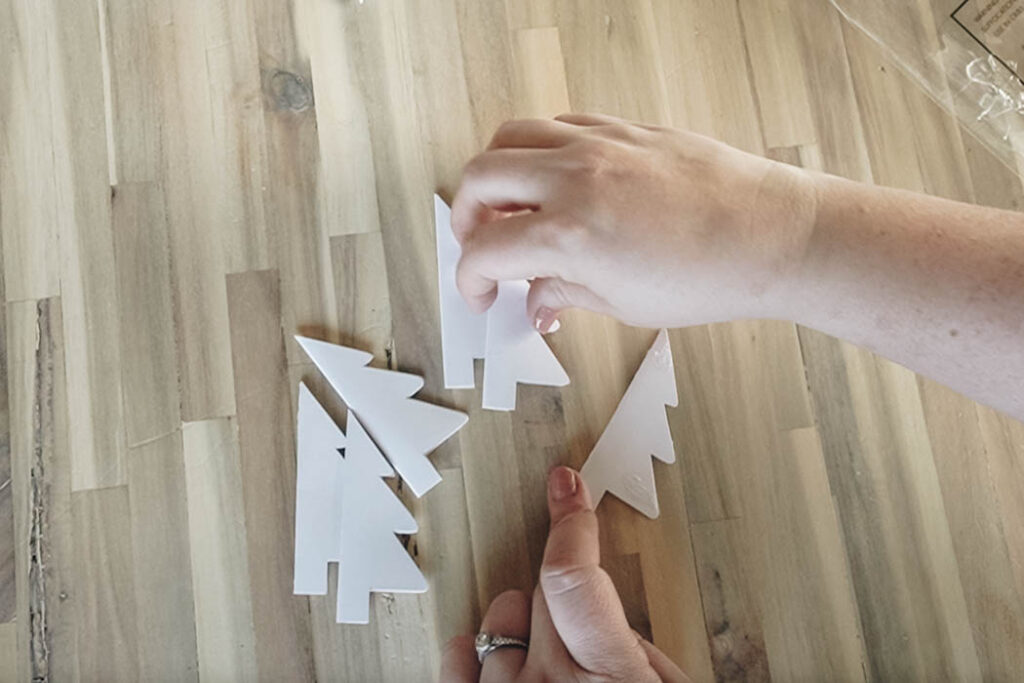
[{"x": 654, "y": 226}]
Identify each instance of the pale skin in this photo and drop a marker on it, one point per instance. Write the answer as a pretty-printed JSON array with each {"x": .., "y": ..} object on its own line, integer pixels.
[{"x": 663, "y": 228}]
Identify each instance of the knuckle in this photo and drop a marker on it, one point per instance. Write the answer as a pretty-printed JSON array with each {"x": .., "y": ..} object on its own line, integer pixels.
[
  {"x": 564, "y": 579},
  {"x": 589, "y": 159},
  {"x": 456, "y": 644},
  {"x": 566, "y": 233},
  {"x": 504, "y": 130},
  {"x": 475, "y": 167},
  {"x": 620, "y": 131}
]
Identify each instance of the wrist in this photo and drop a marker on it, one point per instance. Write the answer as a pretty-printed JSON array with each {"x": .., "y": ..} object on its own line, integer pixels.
[{"x": 790, "y": 202}]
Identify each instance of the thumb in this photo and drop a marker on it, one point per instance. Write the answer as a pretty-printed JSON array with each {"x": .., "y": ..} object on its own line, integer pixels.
[
  {"x": 550, "y": 295},
  {"x": 584, "y": 606}
]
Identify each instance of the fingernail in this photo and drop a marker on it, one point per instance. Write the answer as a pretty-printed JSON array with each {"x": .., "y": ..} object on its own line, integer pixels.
[
  {"x": 546, "y": 318},
  {"x": 562, "y": 483}
]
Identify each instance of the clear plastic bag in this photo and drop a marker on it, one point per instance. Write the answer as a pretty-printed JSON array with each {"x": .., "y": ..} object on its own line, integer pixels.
[{"x": 968, "y": 55}]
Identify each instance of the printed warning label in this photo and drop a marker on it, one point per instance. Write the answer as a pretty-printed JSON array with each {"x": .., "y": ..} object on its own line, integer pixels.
[{"x": 997, "y": 26}]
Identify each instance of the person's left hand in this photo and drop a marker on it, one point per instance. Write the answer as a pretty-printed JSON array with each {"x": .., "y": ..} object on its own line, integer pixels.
[{"x": 575, "y": 626}]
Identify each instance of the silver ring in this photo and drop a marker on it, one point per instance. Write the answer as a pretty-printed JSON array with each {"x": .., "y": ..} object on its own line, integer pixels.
[{"x": 486, "y": 643}]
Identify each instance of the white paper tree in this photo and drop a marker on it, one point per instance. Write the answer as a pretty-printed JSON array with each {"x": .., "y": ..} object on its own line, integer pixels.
[
  {"x": 318, "y": 488},
  {"x": 372, "y": 558},
  {"x": 620, "y": 463},
  {"x": 463, "y": 333},
  {"x": 513, "y": 351},
  {"x": 405, "y": 429},
  {"x": 345, "y": 513}
]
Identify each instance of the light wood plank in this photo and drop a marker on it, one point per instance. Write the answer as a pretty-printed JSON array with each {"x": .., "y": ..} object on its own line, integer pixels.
[
  {"x": 88, "y": 283},
  {"x": 732, "y": 608},
  {"x": 8, "y": 563},
  {"x": 438, "y": 50},
  {"x": 444, "y": 552},
  {"x": 777, "y": 66},
  {"x": 889, "y": 503},
  {"x": 218, "y": 549},
  {"x": 346, "y": 189},
  {"x": 27, "y": 165},
  {"x": 541, "y": 89},
  {"x": 105, "y": 610},
  {"x": 149, "y": 372},
  {"x": 994, "y": 600},
  {"x": 161, "y": 572},
  {"x": 191, "y": 180},
  {"x": 378, "y": 37},
  {"x": 136, "y": 76},
  {"x": 489, "y": 68},
  {"x": 283, "y": 34},
  {"x": 8, "y": 653},
  {"x": 837, "y": 120},
  {"x": 612, "y": 59},
  {"x": 266, "y": 448},
  {"x": 1004, "y": 443},
  {"x": 360, "y": 280},
  {"x": 811, "y": 623}
]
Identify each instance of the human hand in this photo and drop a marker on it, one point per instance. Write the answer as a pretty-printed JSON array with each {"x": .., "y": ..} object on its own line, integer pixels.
[
  {"x": 576, "y": 627},
  {"x": 654, "y": 226}
]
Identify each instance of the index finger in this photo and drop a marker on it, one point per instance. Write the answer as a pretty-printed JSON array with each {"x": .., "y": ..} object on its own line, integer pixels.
[
  {"x": 580, "y": 596},
  {"x": 519, "y": 247}
]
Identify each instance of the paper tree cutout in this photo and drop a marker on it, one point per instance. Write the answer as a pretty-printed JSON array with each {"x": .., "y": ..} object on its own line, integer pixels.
[
  {"x": 318, "y": 486},
  {"x": 513, "y": 351},
  {"x": 405, "y": 429},
  {"x": 345, "y": 513},
  {"x": 372, "y": 558},
  {"x": 620, "y": 463},
  {"x": 462, "y": 331}
]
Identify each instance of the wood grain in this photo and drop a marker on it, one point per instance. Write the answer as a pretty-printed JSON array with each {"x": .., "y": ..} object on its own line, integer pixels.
[
  {"x": 149, "y": 370},
  {"x": 161, "y": 572},
  {"x": 188, "y": 184},
  {"x": 105, "y": 610},
  {"x": 8, "y": 653},
  {"x": 220, "y": 565},
  {"x": 86, "y": 253},
  {"x": 265, "y": 438}
]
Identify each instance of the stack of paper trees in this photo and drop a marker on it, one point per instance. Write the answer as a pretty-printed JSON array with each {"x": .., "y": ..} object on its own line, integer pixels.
[
  {"x": 512, "y": 349},
  {"x": 620, "y": 463},
  {"x": 344, "y": 511}
]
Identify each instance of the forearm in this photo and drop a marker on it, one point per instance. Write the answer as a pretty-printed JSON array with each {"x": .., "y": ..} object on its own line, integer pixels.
[{"x": 935, "y": 285}]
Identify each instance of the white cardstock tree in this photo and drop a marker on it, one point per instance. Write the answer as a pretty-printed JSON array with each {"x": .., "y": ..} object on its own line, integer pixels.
[
  {"x": 404, "y": 428},
  {"x": 463, "y": 332},
  {"x": 318, "y": 486},
  {"x": 372, "y": 558},
  {"x": 512, "y": 349},
  {"x": 345, "y": 513},
  {"x": 620, "y": 463}
]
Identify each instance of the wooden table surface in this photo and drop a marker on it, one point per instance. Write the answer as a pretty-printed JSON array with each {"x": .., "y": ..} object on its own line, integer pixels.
[{"x": 187, "y": 183}]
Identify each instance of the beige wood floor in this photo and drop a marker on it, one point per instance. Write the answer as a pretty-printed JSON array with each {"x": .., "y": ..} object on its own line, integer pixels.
[{"x": 186, "y": 183}]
